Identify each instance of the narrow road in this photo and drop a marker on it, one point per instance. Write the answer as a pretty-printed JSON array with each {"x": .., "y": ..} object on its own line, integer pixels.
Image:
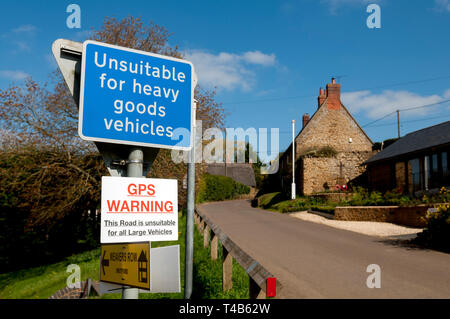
[{"x": 317, "y": 261}]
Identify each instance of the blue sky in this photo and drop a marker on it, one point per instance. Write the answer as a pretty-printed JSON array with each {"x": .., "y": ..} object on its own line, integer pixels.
[{"x": 268, "y": 59}]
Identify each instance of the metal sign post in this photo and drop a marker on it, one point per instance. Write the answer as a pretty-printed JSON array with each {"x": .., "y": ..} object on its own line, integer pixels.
[
  {"x": 134, "y": 169},
  {"x": 190, "y": 222}
]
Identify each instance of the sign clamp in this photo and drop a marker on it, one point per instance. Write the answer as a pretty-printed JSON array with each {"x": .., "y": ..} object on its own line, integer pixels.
[{"x": 125, "y": 162}]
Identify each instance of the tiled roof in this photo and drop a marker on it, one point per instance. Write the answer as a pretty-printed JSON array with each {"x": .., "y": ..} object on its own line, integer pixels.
[{"x": 419, "y": 140}]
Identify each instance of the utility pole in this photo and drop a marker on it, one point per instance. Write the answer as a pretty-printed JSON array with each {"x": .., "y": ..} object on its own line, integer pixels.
[
  {"x": 225, "y": 162},
  {"x": 398, "y": 123},
  {"x": 293, "y": 160}
]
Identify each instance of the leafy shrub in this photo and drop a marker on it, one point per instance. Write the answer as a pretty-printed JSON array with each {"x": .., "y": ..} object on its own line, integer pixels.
[
  {"x": 324, "y": 209},
  {"x": 437, "y": 231},
  {"x": 362, "y": 197},
  {"x": 325, "y": 151},
  {"x": 217, "y": 188},
  {"x": 397, "y": 198},
  {"x": 241, "y": 189},
  {"x": 276, "y": 201},
  {"x": 268, "y": 200},
  {"x": 292, "y": 206}
]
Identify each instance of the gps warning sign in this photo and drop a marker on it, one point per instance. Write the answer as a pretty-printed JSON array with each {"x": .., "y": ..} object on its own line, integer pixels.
[{"x": 138, "y": 209}]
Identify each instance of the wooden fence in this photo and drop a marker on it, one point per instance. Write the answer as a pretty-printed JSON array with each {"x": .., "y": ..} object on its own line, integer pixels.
[{"x": 257, "y": 273}]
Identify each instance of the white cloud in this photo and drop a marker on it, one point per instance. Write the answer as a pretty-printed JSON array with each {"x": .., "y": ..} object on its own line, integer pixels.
[
  {"x": 442, "y": 5},
  {"x": 228, "y": 71},
  {"x": 22, "y": 46},
  {"x": 25, "y": 28},
  {"x": 447, "y": 94},
  {"x": 83, "y": 35},
  {"x": 378, "y": 105},
  {"x": 334, "y": 5},
  {"x": 20, "y": 37},
  {"x": 257, "y": 57},
  {"x": 13, "y": 75}
]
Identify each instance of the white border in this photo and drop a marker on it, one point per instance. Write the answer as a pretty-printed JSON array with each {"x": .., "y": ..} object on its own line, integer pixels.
[{"x": 107, "y": 140}]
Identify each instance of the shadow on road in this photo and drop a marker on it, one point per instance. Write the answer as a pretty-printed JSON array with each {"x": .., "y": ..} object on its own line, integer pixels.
[{"x": 409, "y": 242}]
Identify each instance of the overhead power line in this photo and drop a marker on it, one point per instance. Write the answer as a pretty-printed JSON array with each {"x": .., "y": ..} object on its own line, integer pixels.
[
  {"x": 412, "y": 121},
  {"x": 405, "y": 109},
  {"x": 358, "y": 89}
]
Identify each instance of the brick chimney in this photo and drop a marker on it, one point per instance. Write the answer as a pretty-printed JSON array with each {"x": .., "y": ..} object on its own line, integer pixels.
[
  {"x": 305, "y": 119},
  {"x": 321, "y": 98},
  {"x": 334, "y": 95}
]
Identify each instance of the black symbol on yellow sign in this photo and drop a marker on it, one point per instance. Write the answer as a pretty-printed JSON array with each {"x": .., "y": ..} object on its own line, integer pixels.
[
  {"x": 142, "y": 267},
  {"x": 105, "y": 262}
]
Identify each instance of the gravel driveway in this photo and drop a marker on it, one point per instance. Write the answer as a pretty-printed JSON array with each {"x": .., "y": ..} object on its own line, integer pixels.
[{"x": 378, "y": 229}]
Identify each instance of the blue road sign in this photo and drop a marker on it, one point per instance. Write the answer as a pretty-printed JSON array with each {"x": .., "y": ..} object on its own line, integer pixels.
[{"x": 136, "y": 98}]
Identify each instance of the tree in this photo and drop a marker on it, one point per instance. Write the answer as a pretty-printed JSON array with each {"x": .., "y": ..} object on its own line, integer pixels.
[{"x": 45, "y": 168}]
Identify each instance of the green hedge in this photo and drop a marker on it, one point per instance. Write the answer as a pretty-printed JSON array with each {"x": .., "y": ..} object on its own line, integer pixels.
[{"x": 216, "y": 188}]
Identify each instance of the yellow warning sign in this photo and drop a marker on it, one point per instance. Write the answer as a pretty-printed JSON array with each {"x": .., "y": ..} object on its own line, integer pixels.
[{"x": 126, "y": 264}]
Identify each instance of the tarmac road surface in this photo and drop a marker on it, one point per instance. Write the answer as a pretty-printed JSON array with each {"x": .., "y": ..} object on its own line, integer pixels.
[{"x": 313, "y": 260}]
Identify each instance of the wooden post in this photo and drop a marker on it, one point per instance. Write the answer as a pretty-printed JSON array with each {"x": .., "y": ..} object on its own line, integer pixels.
[
  {"x": 206, "y": 236},
  {"x": 214, "y": 244},
  {"x": 227, "y": 270},
  {"x": 202, "y": 225},
  {"x": 255, "y": 291}
]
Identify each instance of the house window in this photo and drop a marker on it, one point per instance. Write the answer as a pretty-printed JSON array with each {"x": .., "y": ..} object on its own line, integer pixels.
[
  {"x": 435, "y": 178},
  {"x": 427, "y": 175},
  {"x": 414, "y": 167},
  {"x": 445, "y": 172}
]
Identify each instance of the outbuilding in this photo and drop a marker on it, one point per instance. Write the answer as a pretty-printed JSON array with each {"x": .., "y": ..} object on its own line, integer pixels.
[{"x": 414, "y": 164}]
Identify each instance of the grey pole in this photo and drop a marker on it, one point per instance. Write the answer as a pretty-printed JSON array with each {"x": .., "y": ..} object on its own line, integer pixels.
[
  {"x": 135, "y": 168},
  {"x": 190, "y": 221}
]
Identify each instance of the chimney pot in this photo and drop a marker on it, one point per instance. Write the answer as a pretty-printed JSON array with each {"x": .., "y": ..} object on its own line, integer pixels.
[
  {"x": 305, "y": 119},
  {"x": 321, "y": 98},
  {"x": 333, "y": 93}
]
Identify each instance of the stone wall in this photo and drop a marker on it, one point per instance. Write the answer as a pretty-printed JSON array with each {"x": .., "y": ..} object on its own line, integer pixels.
[
  {"x": 320, "y": 171},
  {"x": 407, "y": 216},
  {"x": 333, "y": 128},
  {"x": 400, "y": 176},
  {"x": 411, "y": 216},
  {"x": 365, "y": 213}
]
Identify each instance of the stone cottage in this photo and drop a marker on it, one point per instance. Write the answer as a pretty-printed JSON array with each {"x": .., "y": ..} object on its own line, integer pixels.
[{"x": 329, "y": 150}]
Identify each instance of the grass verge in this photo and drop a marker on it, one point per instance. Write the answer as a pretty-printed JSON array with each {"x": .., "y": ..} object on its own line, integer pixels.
[{"x": 42, "y": 282}]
